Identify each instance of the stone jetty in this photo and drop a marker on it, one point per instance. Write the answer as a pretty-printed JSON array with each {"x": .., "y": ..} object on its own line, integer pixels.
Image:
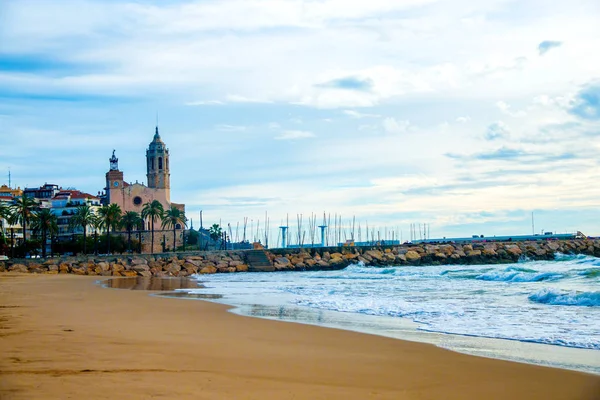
[{"x": 324, "y": 258}]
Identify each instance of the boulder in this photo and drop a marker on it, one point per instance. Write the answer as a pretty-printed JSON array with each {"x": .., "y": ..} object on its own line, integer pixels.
[
  {"x": 412, "y": 256},
  {"x": 104, "y": 266},
  {"x": 467, "y": 247},
  {"x": 209, "y": 269},
  {"x": 129, "y": 273},
  {"x": 173, "y": 267},
  {"x": 241, "y": 268},
  {"x": 140, "y": 268},
  {"x": 473, "y": 253},
  {"x": 282, "y": 261},
  {"x": 513, "y": 250},
  {"x": 18, "y": 268},
  {"x": 350, "y": 256},
  {"x": 51, "y": 261},
  {"x": 374, "y": 254}
]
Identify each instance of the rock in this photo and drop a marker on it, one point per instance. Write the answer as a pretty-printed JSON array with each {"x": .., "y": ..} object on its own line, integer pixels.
[
  {"x": 374, "y": 254},
  {"x": 64, "y": 268},
  {"x": 350, "y": 256},
  {"x": 138, "y": 261},
  {"x": 104, "y": 266},
  {"x": 18, "y": 268},
  {"x": 118, "y": 268},
  {"x": 467, "y": 247},
  {"x": 310, "y": 262},
  {"x": 540, "y": 252},
  {"x": 51, "y": 261},
  {"x": 513, "y": 250},
  {"x": 209, "y": 269},
  {"x": 412, "y": 256},
  {"x": 401, "y": 258},
  {"x": 441, "y": 256},
  {"x": 241, "y": 268},
  {"x": 489, "y": 252},
  {"x": 323, "y": 263},
  {"x": 173, "y": 267},
  {"x": 129, "y": 273},
  {"x": 473, "y": 253},
  {"x": 140, "y": 268},
  {"x": 235, "y": 263},
  {"x": 145, "y": 273},
  {"x": 282, "y": 261},
  {"x": 363, "y": 260}
]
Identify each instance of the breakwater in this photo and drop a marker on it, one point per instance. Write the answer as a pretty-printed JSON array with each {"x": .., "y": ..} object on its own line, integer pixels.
[{"x": 188, "y": 263}]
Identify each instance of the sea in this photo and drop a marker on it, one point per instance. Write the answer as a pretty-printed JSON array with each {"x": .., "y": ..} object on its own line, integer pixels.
[{"x": 540, "y": 312}]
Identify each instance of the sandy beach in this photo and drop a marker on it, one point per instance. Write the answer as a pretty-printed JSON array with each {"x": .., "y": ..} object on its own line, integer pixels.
[{"x": 65, "y": 337}]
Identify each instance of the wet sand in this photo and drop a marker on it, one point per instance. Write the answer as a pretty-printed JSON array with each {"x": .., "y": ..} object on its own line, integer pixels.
[{"x": 63, "y": 336}]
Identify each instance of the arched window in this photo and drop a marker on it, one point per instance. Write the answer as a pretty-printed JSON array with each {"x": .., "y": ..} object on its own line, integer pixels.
[
  {"x": 160, "y": 163},
  {"x": 167, "y": 161}
]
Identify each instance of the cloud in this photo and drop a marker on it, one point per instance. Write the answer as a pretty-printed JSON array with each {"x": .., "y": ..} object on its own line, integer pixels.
[
  {"x": 356, "y": 114},
  {"x": 293, "y": 135},
  {"x": 235, "y": 98},
  {"x": 513, "y": 154},
  {"x": 230, "y": 128},
  {"x": 349, "y": 83},
  {"x": 463, "y": 120},
  {"x": 587, "y": 102},
  {"x": 497, "y": 130},
  {"x": 548, "y": 45},
  {"x": 506, "y": 109},
  {"x": 394, "y": 126},
  {"x": 205, "y": 103}
]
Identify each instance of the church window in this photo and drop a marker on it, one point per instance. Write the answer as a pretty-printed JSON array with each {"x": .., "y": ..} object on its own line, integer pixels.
[
  {"x": 137, "y": 200},
  {"x": 160, "y": 164}
]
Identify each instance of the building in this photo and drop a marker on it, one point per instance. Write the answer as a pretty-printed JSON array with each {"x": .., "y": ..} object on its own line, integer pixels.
[
  {"x": 64, "y": 205},
  {"x": 132, "y": 196},
  {"x": 45, "y": 192}
]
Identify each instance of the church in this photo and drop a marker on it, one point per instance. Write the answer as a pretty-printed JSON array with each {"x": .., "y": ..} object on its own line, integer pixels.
[{"x": 133, "y": 196}]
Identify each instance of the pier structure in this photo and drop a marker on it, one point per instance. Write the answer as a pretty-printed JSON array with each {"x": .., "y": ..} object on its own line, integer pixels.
[
  {"x": 283, "y": 236},
  {"x": 322, "y": 227}
]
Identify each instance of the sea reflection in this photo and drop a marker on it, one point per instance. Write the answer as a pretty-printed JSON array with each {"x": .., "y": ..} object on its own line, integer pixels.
[{"x": 152, "y": 283}]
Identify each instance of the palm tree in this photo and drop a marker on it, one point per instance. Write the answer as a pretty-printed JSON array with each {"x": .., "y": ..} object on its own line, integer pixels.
[
  {"x": 110, "y": 215},
  {"x": 23, "y": 210},
  {"x": 96, "y": 223},
  {"x": 46, "y": 222},
  {"x": 153, "y": 210},
  {"x": 82, "y": 218},
  {"x": 4, "y": 214},
  {"x": 12, "y": 220},
  {"x": 173, "y": 217},
  {"x": 130, "y": 220}
]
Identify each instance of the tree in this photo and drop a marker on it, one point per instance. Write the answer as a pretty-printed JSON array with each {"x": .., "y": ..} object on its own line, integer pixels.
[
  {"x": 154, "y": 211},
  {"x": 129, "y": 221},
  {"x": 110, "y": 216},
  {"x": 96, "y": 223},
  {"x": 83, "y": 217},
  {"x": 23, "y": 209},
  {"x": 215, "y": 232},
  {"x": 173, "y": 217},
  {"x": 46, "y": 222}
]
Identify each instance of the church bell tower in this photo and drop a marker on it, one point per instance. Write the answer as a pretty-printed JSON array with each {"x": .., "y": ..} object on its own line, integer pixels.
[
  {"x": 157, "y": 159},
  {"x": 114, "y": 180}
]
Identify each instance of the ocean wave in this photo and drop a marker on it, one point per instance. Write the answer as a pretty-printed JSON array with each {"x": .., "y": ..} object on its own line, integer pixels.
[
  {"x": 589, "y": 273},
  {"x": 566, "y": 298},
  {"x": 515, "y": 276}
]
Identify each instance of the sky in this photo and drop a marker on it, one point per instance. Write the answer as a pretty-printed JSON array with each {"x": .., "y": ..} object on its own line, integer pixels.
[{"x": 467, "y": 116}]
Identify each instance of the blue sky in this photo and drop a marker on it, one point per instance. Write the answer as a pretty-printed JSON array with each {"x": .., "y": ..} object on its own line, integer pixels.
[{"x": 465, "y": 116}]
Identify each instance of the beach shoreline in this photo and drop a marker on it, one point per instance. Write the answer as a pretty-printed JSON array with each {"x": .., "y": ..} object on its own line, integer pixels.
[{"x": 65, "y": 336}]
